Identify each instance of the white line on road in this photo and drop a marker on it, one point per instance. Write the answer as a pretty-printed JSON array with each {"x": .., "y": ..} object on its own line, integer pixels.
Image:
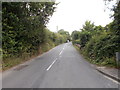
[
  {"x": 55, "y": 59},
  {"x": 51, "y": 64},
  {"x": 111, "y": 79},
  {"x": 61, "y": 52}
]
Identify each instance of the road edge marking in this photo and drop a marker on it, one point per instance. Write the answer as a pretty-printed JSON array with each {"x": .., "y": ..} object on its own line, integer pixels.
[{"x": 109, "y": 77}]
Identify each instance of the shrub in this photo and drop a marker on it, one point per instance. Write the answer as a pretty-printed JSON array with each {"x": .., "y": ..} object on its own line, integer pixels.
[
  {"x": 84, "y": 38},
  {"x": 102, "y": 47}
]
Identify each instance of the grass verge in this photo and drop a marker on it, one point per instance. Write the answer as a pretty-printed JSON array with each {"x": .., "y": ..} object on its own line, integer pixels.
[
  {"x": 13, "y": 61},
  {"x": 108, "y": 62}
]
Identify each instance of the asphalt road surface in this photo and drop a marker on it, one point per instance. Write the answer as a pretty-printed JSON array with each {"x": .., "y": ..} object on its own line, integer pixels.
[{"x": 61, "y": 67}]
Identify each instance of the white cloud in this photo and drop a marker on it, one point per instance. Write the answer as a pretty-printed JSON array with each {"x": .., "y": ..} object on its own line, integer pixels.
[{"x": 70, "y": 15}]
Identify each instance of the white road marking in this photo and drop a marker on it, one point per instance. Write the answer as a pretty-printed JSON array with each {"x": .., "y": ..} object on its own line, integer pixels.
[
  {"x": 51, "y": 64},
  {"x": 111, "y": 79},
  {"x": 56, "y": 59},
  {"x": 61, "y": 52},
  {"x": 62, "y": 49}
]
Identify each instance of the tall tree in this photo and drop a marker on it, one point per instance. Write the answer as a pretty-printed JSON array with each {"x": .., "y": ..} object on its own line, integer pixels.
[
  {"x": 23, "y": 25},
  {"x": 88, "y": 26}
]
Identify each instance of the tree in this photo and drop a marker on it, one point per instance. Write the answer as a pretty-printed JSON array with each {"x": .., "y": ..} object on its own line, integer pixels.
[
  {"x": 116, "y": 22},
  {"x": 88, "y": 26},
  {"x": 23, "y": 26},
  {"x": 75, "y": 35},
  {"x": 65, "y": 34}
]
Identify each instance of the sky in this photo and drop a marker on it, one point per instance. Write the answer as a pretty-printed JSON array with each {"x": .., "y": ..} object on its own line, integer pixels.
[{"x": 71, "y": 15}]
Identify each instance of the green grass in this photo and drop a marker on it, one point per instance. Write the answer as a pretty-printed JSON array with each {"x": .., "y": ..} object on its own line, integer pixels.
[{"x": 13, "y": 61}]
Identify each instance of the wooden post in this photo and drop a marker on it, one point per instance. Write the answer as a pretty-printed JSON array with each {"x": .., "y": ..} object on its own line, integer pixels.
[{"x": 118, "y": 57}]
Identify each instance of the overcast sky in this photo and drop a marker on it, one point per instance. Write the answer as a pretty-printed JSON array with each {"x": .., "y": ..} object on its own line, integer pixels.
[{"x": 70, "y": 15}]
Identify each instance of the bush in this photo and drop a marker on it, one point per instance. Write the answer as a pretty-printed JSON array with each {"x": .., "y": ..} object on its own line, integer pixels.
[
  {"x": 84, "y": 38},
  {"x": 102, "y": 47}
]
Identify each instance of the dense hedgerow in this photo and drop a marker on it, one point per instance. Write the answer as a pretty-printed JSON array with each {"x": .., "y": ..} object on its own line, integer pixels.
[
  {"x": 24, "y": 32},
  {"x": 98, "y": 43}
]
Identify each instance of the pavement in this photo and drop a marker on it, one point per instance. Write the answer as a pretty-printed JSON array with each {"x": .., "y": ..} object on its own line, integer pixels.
[
  {"x": 61, "y": 67},
  {"x": 110, "y": 72}
]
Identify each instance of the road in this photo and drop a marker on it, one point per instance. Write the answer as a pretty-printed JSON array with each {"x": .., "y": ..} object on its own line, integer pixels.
[{"x": 61, "y": 67}]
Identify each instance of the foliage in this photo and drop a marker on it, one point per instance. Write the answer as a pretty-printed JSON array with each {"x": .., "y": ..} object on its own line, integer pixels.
[
  {"x": 23, "y": 26},
  {"x": 88, "y": 26},
  {"x": 75, "y": 35},
  {"x": 65, "y": 34},
  {"x": 84, "y": 38},
  {"x": 116, "y": 22},
  {"x": 101, "y": 43},
  {"x": 24, "y": 32}
]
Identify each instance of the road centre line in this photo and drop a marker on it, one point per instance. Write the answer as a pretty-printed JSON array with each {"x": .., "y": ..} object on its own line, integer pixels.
[
  {"x": 61, "y": 52},
  {"x": 51, "y": 64},
  {"x": 55, "y": 59}
]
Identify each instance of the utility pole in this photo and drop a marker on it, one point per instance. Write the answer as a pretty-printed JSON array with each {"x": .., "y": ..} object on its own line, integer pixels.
[{"x": 57, "y": 28}]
